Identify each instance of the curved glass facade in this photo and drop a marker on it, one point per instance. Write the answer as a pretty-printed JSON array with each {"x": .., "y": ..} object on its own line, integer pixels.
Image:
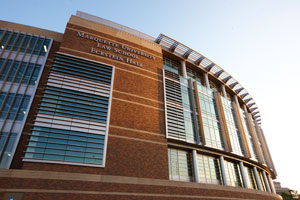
[{"x": 209, "y": 117}]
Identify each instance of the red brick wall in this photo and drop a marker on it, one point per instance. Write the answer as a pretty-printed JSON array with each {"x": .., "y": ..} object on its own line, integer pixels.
[
  {"x": 146, "y": 189},
  {"x": 136, "y": 143}
]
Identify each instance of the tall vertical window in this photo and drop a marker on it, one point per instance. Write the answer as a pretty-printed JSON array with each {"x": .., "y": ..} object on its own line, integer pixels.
[
  {"x": 11, "y": 40},
  {"x": 178, "y": 104},
  {"x": 233, "y": 174},
  {"x": 234, "y": 134},
  {"x": 180, "y": 111},
  {"x": 210, "y": 118},
  {"x": 7, "y": 141},
  {"x": 180, "y": 165},
  {"x": 208, "y": 169},
  {"x": 72, "y": 121}
]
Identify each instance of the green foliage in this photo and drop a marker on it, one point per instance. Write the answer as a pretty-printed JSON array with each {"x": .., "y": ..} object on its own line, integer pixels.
[{"x": 287, "y": 196}]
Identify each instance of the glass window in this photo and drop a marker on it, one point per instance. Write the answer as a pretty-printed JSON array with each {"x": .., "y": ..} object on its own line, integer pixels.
[
  {"x": 7, "y": 141},
  {"x": 28, "y": 72},
  {"x": 171, "y": 65},
  {"x": 212, "y": 129},
  {"x": 19, "y": 71},
  {"x": 2, "y": 97},
  {"x": 38, "y": 47},
  {"x": 5, "y": 38},
  {"x": 59, "y": 143},
  {"x": 72, "y": 107},
  {"x": 11, "y": 41},
  {"x": 68, "y": 145},
  {"x": 35, "y": 74},
  {"x": 233, "y": 175},
  {"x": 194, "y": 75},
  {"x": 25, "y": 43},
  {"x": 231, "y": 122},
  {"x": 12, "y": 105},
  {"x": 6, "y": 69},
  {"x": 180, "y": 116},
  {"x": 23, "y": 107},
  {"x": 96, "y": 72},
  {"x": 74, "y": 159},
  {"x": 13, "y": 71},
  {"x": 18, "y": 43},
  {"x": 7, "y": 105},
  {"x": 180, "y": 168},
  {"x": 31, "y": 45},
  {"x": 208, "y": 169},
  {"x": 15, "y": 107}
]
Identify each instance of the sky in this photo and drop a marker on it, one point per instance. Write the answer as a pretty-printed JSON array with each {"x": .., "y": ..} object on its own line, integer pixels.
[{"x": 256, "y": 41}]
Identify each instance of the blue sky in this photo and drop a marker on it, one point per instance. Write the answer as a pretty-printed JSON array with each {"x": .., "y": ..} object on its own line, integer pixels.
[{"x": 256, "y": 41}]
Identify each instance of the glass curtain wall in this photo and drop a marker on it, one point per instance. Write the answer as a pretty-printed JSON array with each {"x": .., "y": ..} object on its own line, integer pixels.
[
  {"x": 180, "y": 122},
  {"x": 180, "y": 93},
  {"x": 72, "y": 120},
  {"x": 22, "y": 59}
]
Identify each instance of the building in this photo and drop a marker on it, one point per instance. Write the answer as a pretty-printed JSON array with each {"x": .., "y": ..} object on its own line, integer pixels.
[
  {"x": 280, "y": 189},
  {"x": 285, "y": 192},
  {"x": 103, "y": 111}
]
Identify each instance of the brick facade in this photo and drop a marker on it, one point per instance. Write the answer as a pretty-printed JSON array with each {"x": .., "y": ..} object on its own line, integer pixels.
[{"x": 137, "y": 149}]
